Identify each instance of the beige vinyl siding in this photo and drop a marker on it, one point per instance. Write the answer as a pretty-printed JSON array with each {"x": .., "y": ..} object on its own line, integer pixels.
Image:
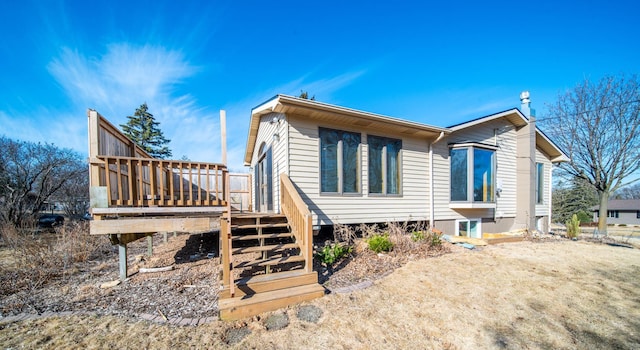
[
  {"x": 279, "y": 153},
  {"x": 543, "y": 209},
  {"x": 304, "y": 165},
  {"x": 498, "y": 133}
]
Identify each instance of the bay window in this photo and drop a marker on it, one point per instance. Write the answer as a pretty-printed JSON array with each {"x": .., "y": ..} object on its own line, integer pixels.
[{"x": 472, "y": 176}]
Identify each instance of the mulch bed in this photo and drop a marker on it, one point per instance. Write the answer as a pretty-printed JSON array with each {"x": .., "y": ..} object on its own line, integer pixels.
[{"x": 189, "y": 290}]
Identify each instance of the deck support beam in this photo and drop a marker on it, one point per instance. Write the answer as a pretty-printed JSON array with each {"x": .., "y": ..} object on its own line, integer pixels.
[
  {"x": 122, "y": 253},
  {"x": 150, "y": 244}
]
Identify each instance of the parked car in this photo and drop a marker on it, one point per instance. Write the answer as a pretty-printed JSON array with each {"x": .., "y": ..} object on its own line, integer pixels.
[{"x": 50, "y": 220}]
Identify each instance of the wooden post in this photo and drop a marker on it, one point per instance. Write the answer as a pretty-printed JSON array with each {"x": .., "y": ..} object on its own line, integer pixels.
[
  {"x": 223, "y": 135},
  {"x": 122, "y": 253},
  {"x": 164, "y": 234},
  {"x": 224, "y": 246},
  {"x": 150, "y": 244}
]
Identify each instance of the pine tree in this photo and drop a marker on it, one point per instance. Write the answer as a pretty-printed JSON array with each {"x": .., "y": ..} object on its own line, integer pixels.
[
  {"x": 142, "y": 128},
  {"x": 305, "y": 95}
]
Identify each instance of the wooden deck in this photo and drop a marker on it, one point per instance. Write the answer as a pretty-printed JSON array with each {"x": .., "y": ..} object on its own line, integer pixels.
[{"x": 267, "y": 259}]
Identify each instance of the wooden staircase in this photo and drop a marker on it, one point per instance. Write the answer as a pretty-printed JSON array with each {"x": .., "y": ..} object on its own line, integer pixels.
[{"x": 267, "y": 261}]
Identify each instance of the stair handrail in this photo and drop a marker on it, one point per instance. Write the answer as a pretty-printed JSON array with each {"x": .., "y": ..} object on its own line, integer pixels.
[{"x": 299, "y": 218}]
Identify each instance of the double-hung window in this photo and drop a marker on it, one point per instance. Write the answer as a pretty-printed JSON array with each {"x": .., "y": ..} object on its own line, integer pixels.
[
  {"x": 339, "y": 161},
  {"x": 472, "y": 174},
  {"x": 384, "y": 165}
]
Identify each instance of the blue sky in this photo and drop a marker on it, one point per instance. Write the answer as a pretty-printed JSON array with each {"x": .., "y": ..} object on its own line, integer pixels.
[{"x": 434, "y": 63}]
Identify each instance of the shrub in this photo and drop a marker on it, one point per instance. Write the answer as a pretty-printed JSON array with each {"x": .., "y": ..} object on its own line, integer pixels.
[
  {"x": 38, "y": 259},
  {"x": 418, "y": 236},
  {"x": 622, "y": 225},
  {"x": 344, "y": 233},
  {"x": 334, "y": 252},
  {"x": 435, "y": 238},
  {"x": 573, "y": 227},
  {"x": 380, "y": 243}
]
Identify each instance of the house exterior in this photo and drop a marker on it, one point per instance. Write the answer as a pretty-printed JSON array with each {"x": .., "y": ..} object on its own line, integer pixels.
[
  {"x": 488, "y": 175},
  {"x": 620, "y": 211}
]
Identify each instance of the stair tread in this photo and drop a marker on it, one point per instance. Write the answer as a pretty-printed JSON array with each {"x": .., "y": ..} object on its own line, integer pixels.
[
  {"x": 272, "y": 276},
  {"x": 254, "y": 249},
  {"x": 256, "y": 216},
  {"x": 264, "y": 235},
  {"x": 271, "y": 261},
  {"x": 267, "y": 225},
  {"x": 266, "y": 297}
]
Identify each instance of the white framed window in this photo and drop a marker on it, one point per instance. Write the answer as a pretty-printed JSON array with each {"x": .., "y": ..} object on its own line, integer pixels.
[
  {"x": 472, "y": 177},
  {"x": 471, "y": 228},
  {"x": 613, "y": 214}
]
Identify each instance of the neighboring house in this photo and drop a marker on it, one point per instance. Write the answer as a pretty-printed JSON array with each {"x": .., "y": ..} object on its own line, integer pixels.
[
  {"x": 620, "y": 211},
  {"x": 491, "y": 174}
]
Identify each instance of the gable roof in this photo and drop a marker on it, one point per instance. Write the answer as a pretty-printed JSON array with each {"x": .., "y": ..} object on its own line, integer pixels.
[
  {"x": 315, "y": 110},
  {"x": 515, "y": 117},
  {"x": 621, "y": 204}
]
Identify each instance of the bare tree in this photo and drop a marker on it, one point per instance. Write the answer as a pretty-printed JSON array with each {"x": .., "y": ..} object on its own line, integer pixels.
[
  {"x": 30, "y": 174},
  {"x": 74, "y": 195},
  {"x": 598, "y": 125},
  {"x": 628, "y": 192}
]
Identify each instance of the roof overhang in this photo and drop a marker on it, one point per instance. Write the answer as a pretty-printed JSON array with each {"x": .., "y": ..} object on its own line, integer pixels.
[
  {"x": 515, "y": 117},
  {"x": 332, "y": 114}
]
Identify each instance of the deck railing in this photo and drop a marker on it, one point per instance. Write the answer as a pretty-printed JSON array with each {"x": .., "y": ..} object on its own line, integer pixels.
[
  {"x": 141, "y": 182},
  {"x": 299, "y": 217}
]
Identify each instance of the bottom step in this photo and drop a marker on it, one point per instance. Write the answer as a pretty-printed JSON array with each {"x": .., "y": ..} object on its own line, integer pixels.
[
  {"x": 251, "y": 305},
  {"x": 270, "y": 282}
]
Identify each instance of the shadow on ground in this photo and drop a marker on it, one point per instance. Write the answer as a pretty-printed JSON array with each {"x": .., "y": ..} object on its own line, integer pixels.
[{"x": 199, "y": 246}]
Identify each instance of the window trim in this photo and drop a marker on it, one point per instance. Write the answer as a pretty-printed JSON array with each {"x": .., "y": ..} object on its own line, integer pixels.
[
  {"x": 613, "y": 214},
  {"x": 339, "y": 161},
  {"x": 478, "y": 227},
  {"x": 383, "y": 165},
  {"x": 470, "y": 203}
]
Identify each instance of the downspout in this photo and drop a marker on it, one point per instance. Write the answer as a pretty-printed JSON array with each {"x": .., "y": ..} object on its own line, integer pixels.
[
  {"x": 550, "y": 198},
  {"x": 431, "y": 199}
]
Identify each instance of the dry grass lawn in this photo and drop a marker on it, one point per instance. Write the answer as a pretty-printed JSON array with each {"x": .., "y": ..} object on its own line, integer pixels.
[{"x": 556, "y": 295}]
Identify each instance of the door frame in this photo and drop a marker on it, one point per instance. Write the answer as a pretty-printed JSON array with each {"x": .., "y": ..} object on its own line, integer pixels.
[{"x": 264, "y": 180}]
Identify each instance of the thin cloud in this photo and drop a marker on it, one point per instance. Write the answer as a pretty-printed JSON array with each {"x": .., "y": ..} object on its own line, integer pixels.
[{"x": 125, "y": 76}]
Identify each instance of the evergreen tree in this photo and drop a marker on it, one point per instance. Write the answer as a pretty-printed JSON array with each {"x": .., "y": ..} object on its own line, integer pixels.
[
  {"x": 577, "y": 198},
  {"x": 142, "y": 128},
  {"x": 305, "y": 95}
]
